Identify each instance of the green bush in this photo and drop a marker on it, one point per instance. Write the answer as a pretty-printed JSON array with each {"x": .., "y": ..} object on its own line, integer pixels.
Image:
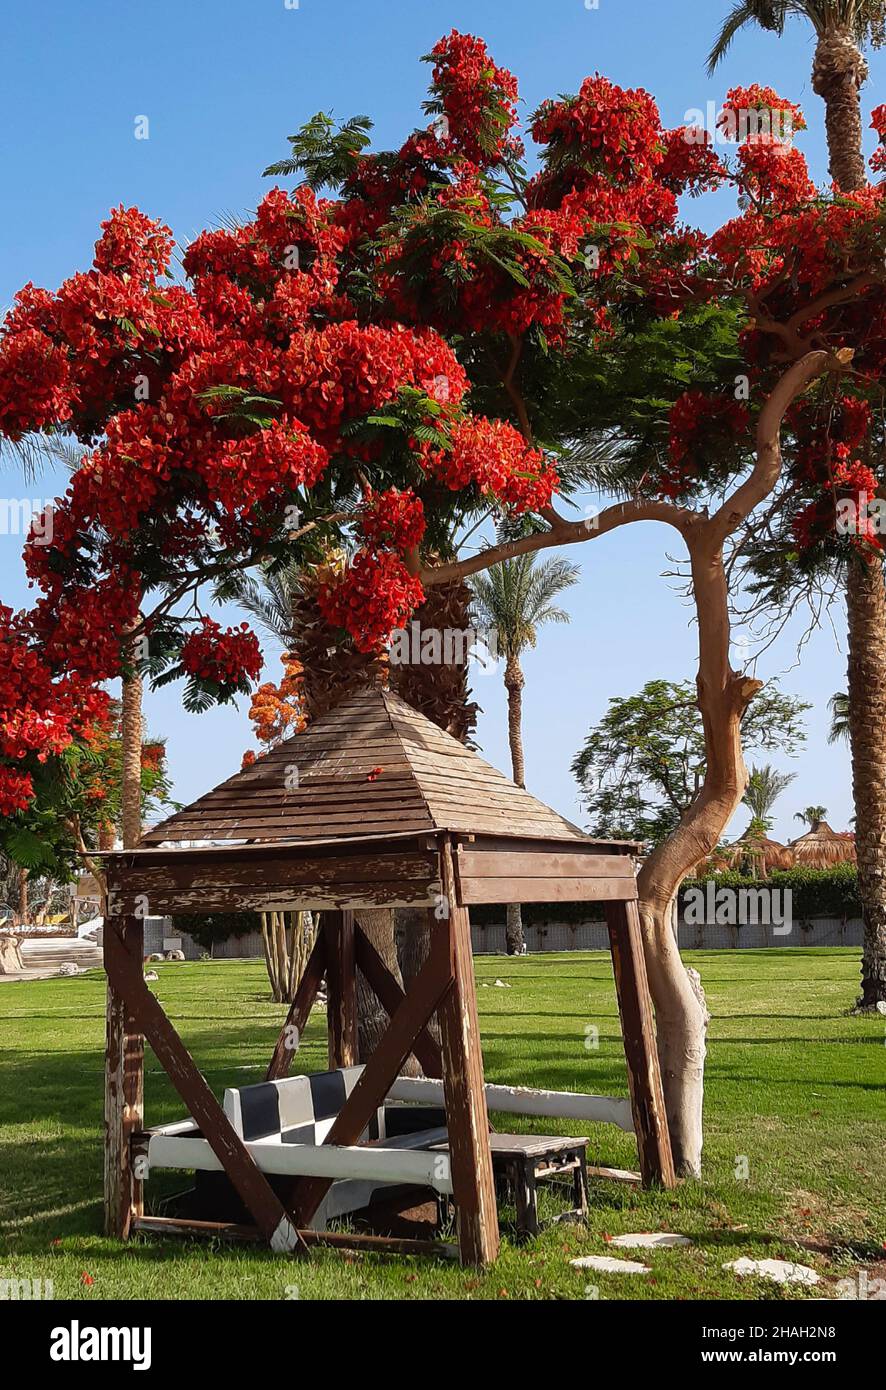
[
  {"x": 816, "y": 892},
  {"x": 206, "y": 927}
]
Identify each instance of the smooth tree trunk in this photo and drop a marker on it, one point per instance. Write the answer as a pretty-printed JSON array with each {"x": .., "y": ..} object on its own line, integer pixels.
[
  {"x": 514, "y": 682},
  {"x": 681, "y": 1015},
  {"x": 839, "y": 70}
]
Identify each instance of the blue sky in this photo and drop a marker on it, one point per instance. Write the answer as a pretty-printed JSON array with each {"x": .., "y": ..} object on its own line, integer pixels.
[{"x": 222, "y": 82}]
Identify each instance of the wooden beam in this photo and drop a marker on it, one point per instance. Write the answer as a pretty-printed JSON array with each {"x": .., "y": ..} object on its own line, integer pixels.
[
  {"x": 126, "y": 975},
  {"x": 390, "y": 996},
  {"x": 546, "y": 890},
  {"x": 382, "y": 1068},
  {"x": 299, "y": 1011},
  {"x": 341, "y": 989},
  {"x": 638, "y": 1031},
  {"x": 338, "y": 1240},
  {"x": 477, "y": 862},
  {"x": 124, "y": 1083},
  {"x": 467, "y": 1120}
]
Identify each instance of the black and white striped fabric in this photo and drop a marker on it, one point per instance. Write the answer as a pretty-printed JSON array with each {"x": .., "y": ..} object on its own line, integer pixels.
[
  {"x": 298, "y": 1109},
  {"x": 302, "y": 1109}
]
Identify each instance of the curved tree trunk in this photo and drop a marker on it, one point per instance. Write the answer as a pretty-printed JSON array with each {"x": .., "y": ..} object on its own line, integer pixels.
[
  {"x": 680, "y": 1012},
  {"x": 514, "y": 682},
  {"x": 838, "y": 73}
]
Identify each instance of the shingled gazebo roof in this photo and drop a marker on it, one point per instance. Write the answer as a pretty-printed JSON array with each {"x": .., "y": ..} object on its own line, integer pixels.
[{"x": 374, "y": 766}]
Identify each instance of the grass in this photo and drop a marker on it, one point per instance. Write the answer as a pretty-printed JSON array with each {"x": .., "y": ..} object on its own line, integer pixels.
[{"x": 794, "y": 1099}]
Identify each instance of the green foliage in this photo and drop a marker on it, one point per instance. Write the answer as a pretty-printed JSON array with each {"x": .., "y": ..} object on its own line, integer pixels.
[
  {"x": 644, "y": 763},
  {"x": 326, "y": 154},
  {"x": 815, "y": 892},
  {"x": 765, "y": 786},
  {"x": 515, "y": 598},
  {"x": 206, "y": 927}
]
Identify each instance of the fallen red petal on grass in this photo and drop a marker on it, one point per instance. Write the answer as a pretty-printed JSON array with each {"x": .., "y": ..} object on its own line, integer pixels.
[{"x": 86, "y": 1278}]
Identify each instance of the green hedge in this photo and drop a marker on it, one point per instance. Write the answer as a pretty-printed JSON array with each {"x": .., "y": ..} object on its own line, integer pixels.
[
  {"x": 816, "y": 893},
  {"x": 206, "y": 927}
]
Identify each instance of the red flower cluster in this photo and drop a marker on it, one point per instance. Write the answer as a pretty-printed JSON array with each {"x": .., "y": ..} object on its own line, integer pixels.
[
  {"x": 755, "y": 112},
  {"x": 690, "y": 163},
  {"x": 699, "y": 423},
  {"x": 393, "y": 520},
  {"x": 606, "y": 128},
  {"x": 133, "y": 244},
  {"x": 263, "y": 468},
  {"x": 478, "y": 100},
  {"x": 374, "y": 597},
  {"x": 230, "y": 658},
  {"x": 495, "y": 458},
  {"x": 346, "y": 370},
  {"x": 277, "y": 711},
  {"x": 40, "y": 713},
  {"x": 878, "y": 123}
]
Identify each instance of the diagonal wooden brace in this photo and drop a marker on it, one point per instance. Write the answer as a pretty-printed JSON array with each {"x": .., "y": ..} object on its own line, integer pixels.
[
  {"x": 126, "y": 975},
  {"x": 418, "y": 1004},
  {"x": 299, "y": 1011},
  {"x": 391, "y": 996}
]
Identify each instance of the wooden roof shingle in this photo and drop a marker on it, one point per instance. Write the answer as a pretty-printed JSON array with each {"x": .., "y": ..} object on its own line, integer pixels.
[{"x": 373, "y": 766}]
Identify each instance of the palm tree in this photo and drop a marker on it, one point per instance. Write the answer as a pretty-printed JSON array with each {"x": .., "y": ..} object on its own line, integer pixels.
[
  {"x": 811, "y": 815},
  {"x": 842, "y": 29},
  {"x": 283, "y": 601},
  {"x": 765, "y": 786},
  {"x": 839, "y": 707},
  {"x": 513, "y": 600}
]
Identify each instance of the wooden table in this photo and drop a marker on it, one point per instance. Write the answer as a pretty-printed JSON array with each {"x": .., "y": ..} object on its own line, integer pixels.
[{"x": 521, "y": 1160}]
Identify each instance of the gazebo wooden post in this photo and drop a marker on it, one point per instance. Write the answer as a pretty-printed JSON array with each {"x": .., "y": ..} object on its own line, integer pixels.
[
  {"x": 341, "y": 988},
  {"x": 126, "y": 975},
  {"x": 124, "y": 1080},
  {"x": 638, "y": 1031},
  {"x": 464, "y": 1088}
]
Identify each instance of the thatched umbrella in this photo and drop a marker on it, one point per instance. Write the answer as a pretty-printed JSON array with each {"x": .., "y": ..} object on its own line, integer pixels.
[
  {"x": 822, "y": 848},
  {"x": 754, "y": 852}
]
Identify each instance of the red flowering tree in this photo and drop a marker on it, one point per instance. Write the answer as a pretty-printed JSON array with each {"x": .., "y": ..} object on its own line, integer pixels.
[{"x": 442, "y": 341}]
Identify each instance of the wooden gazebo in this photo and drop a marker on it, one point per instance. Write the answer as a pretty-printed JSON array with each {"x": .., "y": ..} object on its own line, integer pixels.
[{"x": 372, "y": 806}]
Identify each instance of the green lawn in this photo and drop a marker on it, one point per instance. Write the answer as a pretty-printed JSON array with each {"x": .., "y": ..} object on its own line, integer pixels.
[{"x": 795, "y": 1085}]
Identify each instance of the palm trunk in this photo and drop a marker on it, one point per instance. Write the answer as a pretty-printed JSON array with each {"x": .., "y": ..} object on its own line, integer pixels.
[
  {"x": 838, "y": 73},
  {"x": 131, "y": 741},
  {"x": 514, "y": 682},
  {"x": 866, "y": 610},
  {"x": 440, "y": 691}
]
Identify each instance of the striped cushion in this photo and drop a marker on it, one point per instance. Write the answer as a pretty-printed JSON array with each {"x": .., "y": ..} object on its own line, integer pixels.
[{"x": 300, "y": 1109}]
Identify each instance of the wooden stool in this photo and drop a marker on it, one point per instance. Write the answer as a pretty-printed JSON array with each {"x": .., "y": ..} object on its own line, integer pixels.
[{"x": 522, "y": 1160}]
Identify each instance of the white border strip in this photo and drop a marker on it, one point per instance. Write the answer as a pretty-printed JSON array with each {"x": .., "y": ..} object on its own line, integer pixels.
[
  {"x": 521, "y": 1100},
  {"x": 369, "y": 1163}
]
